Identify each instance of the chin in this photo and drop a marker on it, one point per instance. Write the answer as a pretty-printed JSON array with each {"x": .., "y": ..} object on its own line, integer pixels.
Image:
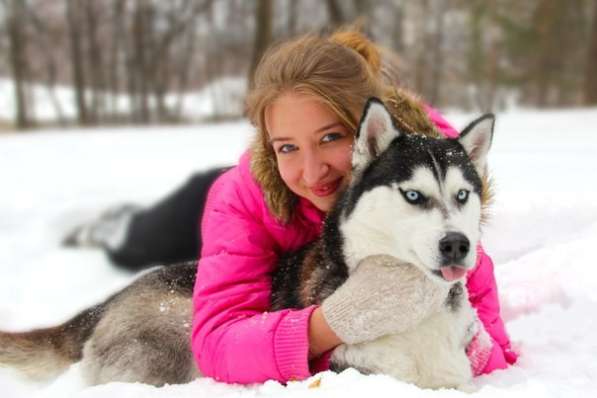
[{"x": 323, "y": 205}]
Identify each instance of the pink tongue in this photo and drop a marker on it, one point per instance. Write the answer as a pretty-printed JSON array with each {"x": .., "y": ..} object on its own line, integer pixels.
[{"x": 451, "y": 272}]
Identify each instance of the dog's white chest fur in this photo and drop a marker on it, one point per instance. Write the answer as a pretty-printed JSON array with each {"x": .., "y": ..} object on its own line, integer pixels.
[{"x": 431, "y": 355}]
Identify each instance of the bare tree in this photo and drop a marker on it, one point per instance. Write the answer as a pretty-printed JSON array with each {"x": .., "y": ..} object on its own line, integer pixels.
[
  {"x": 184, "y": 68},
  {"x": 73, "y": 17},
  {"x": 117, "y": 36},
  {"x": 591, "y": 68},
  {"x": 95, "y": 59},
  {"x": 437, "y": 55},
  {"x": 18, "y": 62},
  {"x": 397, "y": 32},
  {"x": 423, "y": 39},
  {"x": 364, "y": 10},
  {"x": 335, "y": 13},
  {"x": 45, "y": 45},
  {"x": 142, "y": 43},
  {"x": 481, "y": 68},
  {"x": 180, "y": 19},
  {"x": 263, "y": 34},
  {"x": 291, "y": 22}
]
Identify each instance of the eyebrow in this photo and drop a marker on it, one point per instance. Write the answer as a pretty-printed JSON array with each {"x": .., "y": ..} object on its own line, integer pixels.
[{"x": 319, "y": 130}]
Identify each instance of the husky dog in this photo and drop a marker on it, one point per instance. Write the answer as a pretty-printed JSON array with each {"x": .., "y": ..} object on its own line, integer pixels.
[{"x": 412, "y": 199}]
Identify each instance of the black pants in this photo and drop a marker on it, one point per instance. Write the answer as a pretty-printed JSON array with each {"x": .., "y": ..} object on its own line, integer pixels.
[{"x": 169, "y": 231}]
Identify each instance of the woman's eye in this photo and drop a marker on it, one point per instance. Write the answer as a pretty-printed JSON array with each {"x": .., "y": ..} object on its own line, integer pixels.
[
  {"x": 462, "y": 196},
  {"x": 331, "y": 137},
  {"x": 286, "y": 148},
  {"x": 413, "y": 197}
]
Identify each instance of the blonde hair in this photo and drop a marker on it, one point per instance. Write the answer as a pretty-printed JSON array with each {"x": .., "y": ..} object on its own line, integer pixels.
[{"x": 343, "y": 70}]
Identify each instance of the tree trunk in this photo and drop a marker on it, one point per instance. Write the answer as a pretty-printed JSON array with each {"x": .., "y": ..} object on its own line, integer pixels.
[
  {"x": 184, "y": 71},
  {"x": 263, "y": 34},
  {"x": 73, "y": 17},
  {"x": 118, "y": 32},
  {"x": 543, "y": 21},
  {"x": 591, "y": 68},
  {"x": 142, "y": 36},
  {"x": 437, "y": 54},
  {"x": 96, "y": 69},
  {"x": 335, "y": 13},
  {"x": 476, "y": 52},
  {"x": 423, "y": 43},
  {"x": 18, "y": 62},
  {"x": 292, "y": 18},
  {"x": 43, "y": 41},
  {"x": 398, "y": 29}
]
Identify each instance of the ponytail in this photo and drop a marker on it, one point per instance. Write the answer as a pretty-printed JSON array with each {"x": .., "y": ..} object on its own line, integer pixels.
[{"x": 357, "y": 41}]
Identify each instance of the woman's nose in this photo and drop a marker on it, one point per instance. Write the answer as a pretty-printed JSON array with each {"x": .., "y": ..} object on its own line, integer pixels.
[{"x": 314, "y": 168}]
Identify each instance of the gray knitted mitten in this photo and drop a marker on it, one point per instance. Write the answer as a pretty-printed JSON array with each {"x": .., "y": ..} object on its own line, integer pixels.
[{"x": 382, "y": 296}]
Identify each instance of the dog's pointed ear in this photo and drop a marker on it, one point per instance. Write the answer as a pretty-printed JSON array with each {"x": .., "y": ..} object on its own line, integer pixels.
[
  {"x": 476, "y": 139},
  {"x": 375, "y": 133}
]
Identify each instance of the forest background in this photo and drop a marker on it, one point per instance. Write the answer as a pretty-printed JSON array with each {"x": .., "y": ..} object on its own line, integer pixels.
[{"x": 139, "y": 61}]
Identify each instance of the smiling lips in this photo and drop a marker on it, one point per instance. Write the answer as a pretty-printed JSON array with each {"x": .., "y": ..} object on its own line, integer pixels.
[{"x": 326, "y": 189}]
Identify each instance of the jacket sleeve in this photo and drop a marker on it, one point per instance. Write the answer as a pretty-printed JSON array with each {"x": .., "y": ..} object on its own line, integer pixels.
[
  {"x": 235, "y": 339},
  {"x": 483, "y": 295}
]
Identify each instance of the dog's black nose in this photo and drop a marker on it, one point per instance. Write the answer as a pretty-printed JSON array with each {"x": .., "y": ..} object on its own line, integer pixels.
[{"x": 453, "y": 247}]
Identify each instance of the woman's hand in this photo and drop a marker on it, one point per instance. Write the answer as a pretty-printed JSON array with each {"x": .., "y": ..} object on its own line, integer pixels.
[
  {"x": 321, "y": 337},
  {"x": 479, "y": 348},
  {"x": 382, "y": 296}
]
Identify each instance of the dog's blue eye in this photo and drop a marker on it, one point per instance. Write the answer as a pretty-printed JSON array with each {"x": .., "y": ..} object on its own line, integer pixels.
[
  {"x": 413, "y": 197},
  {"x": 462, "y": 196}
]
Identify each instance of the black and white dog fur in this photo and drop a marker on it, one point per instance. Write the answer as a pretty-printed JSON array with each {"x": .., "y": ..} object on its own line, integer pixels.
[{"x": 412, "y": 199}]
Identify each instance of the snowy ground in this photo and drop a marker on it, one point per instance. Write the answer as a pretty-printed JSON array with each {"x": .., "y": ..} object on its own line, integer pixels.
[{"x": 541, "y": 236}]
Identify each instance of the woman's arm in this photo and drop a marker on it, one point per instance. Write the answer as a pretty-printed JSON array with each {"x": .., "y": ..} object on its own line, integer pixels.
[
  {"x": 235, "y": 338},
  {"x": 483, "y": 295}
]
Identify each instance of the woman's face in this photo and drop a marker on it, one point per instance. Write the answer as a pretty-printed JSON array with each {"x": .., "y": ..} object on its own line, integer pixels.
[{"x": 312, "y": 145}]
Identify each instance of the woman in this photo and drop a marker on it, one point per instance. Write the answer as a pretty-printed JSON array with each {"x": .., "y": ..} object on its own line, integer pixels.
[
  {"x": 306, "y": 101},
  {"x": 305, "y": 105}
]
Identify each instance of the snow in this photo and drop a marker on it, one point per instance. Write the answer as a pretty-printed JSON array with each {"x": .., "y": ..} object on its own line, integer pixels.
[
  {"x": 541, "y": 236},
  {"x": 222, "y": 98}
]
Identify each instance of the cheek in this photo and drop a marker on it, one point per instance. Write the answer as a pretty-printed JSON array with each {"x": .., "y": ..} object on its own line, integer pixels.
[
  {"x": 341, "y": 158},
  {"x": 289, "y": 172},
  {"x": 425, "y": 231}
]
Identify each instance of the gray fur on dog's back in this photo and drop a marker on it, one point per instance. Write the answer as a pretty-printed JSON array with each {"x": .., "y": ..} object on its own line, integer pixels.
[
  {"x": 141, "y": 334},
  {"x": 144, "y": 335}
]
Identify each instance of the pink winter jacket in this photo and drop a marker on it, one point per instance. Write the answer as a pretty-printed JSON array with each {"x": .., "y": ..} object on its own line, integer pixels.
[{"x": 234, "y": 337}]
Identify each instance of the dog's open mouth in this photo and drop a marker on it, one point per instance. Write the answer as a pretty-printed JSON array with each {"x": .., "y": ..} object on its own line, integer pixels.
[{"x": 451, "y": 272}]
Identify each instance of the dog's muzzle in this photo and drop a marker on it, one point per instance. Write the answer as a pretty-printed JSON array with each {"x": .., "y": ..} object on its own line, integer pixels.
[{"x": 453, "y": 249}]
